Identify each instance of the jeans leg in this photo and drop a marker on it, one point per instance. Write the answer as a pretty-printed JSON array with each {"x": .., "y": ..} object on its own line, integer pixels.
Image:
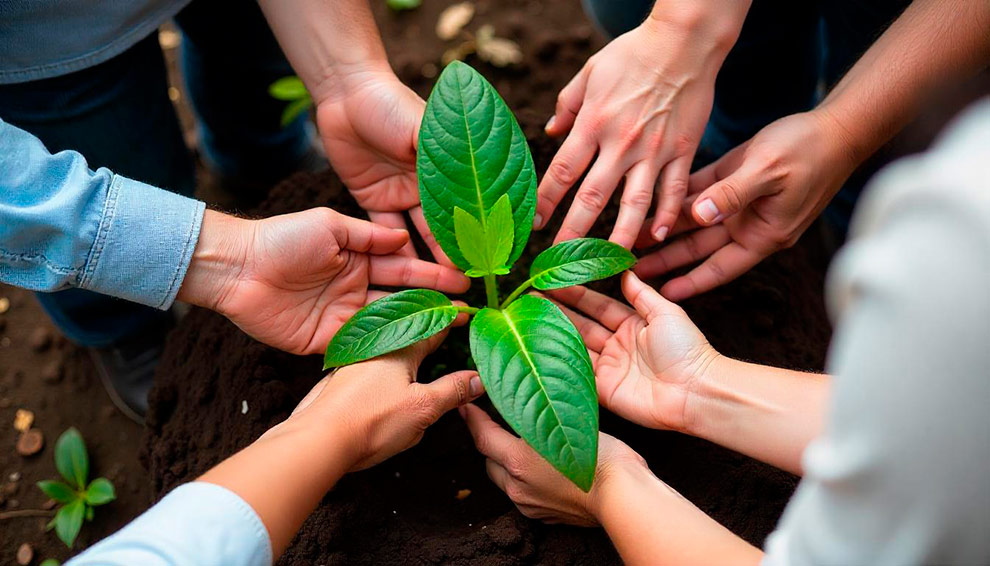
[
  {"x": 615, "y": 17},
  {"x": 229, "y": 59},
  {"x": 118, "y": 115}
]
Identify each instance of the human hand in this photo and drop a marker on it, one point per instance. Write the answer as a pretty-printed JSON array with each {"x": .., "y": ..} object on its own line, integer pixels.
[
  {"x": 757, "y": 199},
  {"x": 640, "y": 104},
  {"x": 537, "y": 489},
  {"x": 291, "y": 281},
  {"x": 369, "y": 124},
  {"x": 648, "y": 361}
]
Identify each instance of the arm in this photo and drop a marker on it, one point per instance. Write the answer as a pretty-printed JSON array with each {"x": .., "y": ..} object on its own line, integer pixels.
[
  {"x": 762, "y": 195},
  {"x": 641, "y": 104},
  {"x": 247, "y": 509}
]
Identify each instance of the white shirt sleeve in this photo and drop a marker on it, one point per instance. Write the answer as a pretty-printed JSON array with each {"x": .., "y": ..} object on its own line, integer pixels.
[
  {"x": 901, "y": 474},
  {"x": 198, "y": 523}
]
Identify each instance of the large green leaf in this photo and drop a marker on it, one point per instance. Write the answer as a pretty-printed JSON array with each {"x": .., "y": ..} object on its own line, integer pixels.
[
  {"x": 576, "y": 262},
  {"x": 388, "y": 324},
  {"x": 538, "y": 375},
  {"x": 471, "y": 152},
  {"x": 68, "y": 520},
  {"x": 487, "y": 247},
  {"x": 71, "y": 459}
]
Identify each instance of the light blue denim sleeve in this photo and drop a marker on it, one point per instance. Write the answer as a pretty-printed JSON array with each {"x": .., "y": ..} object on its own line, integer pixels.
[
  {"x": 63, "y": 225},
  {"x": 196, "y": 524}
]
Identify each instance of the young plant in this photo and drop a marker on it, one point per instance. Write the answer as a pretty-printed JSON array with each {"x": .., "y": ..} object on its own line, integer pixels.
[
  {"x": 477, "y": 185},
  {"x": 292, "y": 90},
  {"x": 77, "y": 496}
]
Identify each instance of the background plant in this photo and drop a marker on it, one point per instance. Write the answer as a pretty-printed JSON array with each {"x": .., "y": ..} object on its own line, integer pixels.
[
  {"x": 477, "y": 185},
  {"x": 76, "y": 495},
  {"x": 292, "y": 90}
]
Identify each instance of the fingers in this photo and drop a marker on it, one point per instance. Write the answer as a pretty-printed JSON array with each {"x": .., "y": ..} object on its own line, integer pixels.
[
  {"x": 690, "y": 248},
  {"x": 723, "y": 266},
  {"x": 373, "y": 295},
  {"x": 453, "y": 390},
  {"x": 635, "y": 204},
  {"x": 730, "y": 194},
  {"x": 365, "y": 237},
  {"x": 498, "y": 474},
  {"x": 568, "y": 105},
  {"x": 399, "y": 271},
  {"x": 595, "y": 335},
  {"x": 568, "y": 165},
  {"x": 419, "y": 221},
  {"x": 673, "y": 189},
  {"x": 647, "y": 302},
  {"x": 606, "y": 311},
  {"x": 591, "y": 198},
  {"x": 684, "y": 223},
  {"x": 397, "y": 221},
  {"x": 490, "y": 439}
]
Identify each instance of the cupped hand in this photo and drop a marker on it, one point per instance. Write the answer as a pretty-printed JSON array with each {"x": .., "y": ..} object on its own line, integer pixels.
[
  {"x": 647, "y": 360},
  {"x": 291, "y": 281},
  {"x": 640, "y": 105},
  {"x": 370, "y": 127},
  {"x": 538, "y": 490},
  {"x": 377, "y": 409},
  {"x": 757, "y": 199}
]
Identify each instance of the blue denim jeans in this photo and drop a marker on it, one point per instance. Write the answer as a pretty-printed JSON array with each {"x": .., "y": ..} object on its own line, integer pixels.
[
  {"x": 118, "y": 115},
  {"x": 788, "y": 54}
]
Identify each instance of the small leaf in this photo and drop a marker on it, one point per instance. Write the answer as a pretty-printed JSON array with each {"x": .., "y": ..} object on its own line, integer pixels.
[
  {"x": 71, "y": 459},
  {"x": 388, "y": 324},
  {"x": 58, "y": 491},
  {"x": 576, "y": 262},
  {"x": 486, "y": 247},
  {"x": 68, "y": 520},
  {"x": 471, "y": 153},
  {"x": 294, "y": 109},
  {"x": 288, "y": 88},
  {"x": 499, "y": 231},
  {"x": 99, "y": 492},
  {"x": 538, "y": 374},
  {"x": 400, "y": 5},
  {"x": 89, "y": 513},
  {"x": 50, "y": 562}
]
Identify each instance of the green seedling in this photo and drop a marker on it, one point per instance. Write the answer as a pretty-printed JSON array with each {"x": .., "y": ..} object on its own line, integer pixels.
[
  {"x": 400, "y": 5},
  {"x": 477, "y": 184},
  {"x": 76, "y": 495},
  {"x": 291, "y": 90}
]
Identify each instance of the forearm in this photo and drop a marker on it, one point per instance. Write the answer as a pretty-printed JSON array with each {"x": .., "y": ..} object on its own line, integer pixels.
[
  {"x": 284, "y": 475},
  {"x": 766, "y": 413},
  {"x": 327, "y": 41},
  {"x": 933, "y": 43},
  {"x": 651, "y": 524},
  {"x": 712, "y": 26}
]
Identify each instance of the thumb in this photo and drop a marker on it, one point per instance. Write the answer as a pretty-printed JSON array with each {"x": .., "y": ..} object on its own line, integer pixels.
[
  {"x": 648, "y": 303},
  {"x": 729, "y": 195},
  {"x": 366, "y": 237},
  {"x": 454, "y": 390}
]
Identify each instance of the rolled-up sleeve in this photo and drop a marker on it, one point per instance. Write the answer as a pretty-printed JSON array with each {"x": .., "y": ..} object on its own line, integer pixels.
[
  {"x": 197, "y": 524},
  {"x": 63, "y": 225}
]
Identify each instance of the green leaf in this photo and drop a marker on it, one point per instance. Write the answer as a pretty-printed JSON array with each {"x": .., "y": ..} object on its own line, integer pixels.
[
  {"x": 399, "y": 5},
  {"x": 388, "y": 324},
  {"x": 538, "y": 375},
  {"x": 71, "y": 459},
  {"x": 288, "y": 88},
  {"x": 99, "y": 492},
  {"x": 50, "y": 562},
  {"x": 58, "y": 491},
  {"x": 471, "y": 152},
  {"x": 294, "y": 109},
  {"x": 576, "y": 262},
  {"x": 485, "y": 246},
  {"x": 68, "y": 520}
]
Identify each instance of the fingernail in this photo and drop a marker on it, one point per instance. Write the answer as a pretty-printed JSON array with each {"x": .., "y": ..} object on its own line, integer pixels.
[
  {"x": 462, "y": 411},
  {"x": 550, "y": 122},
  {"x": 661, "y": 233},
  {"x": 475, "y": 387},
  {"x": 538, "y": 218},
  {"x": 707, "y": 211}
]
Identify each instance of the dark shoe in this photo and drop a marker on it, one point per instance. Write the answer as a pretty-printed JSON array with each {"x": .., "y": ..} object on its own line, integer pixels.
[{"x": 127, "y": 369}]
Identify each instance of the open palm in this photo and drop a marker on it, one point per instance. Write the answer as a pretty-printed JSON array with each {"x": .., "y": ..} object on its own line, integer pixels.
[
  {"x": 305, "y": 274},
  {"x": 645, "y": 359}
]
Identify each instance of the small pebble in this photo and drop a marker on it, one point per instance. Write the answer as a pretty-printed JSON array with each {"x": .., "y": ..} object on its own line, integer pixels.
[
  {"x": 244, "y": 407},
  {"x": 463, "y": 494},
  {"x": 4, "y": 342},
  {"x": 41, "y": 339},
  {"x": 4, "y": 304},
  {"x": 30, "y": 442},
  {"x": 25, "y": 554},
  {"x": 23, "y": 419},
  {"x": 14, "y": 477},
  {"x": 52, "y": 373},
  {"x": 13, "y": 504}
]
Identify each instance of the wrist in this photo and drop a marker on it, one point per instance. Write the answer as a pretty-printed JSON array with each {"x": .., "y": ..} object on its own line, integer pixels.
[
  {"x": 848, "y": 148},
  {"x": 612, "y": 485},
  {"x": 341, "y": 80},
  {"x": 702, "y": 390},
  {"x": 217, "y": 261},
  {"x": 713, "y": 26}
]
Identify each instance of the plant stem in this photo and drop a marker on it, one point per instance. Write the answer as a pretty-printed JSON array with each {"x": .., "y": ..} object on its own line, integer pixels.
[
  {"x": 468, "y": 310},
  {"x": 25, "y": 513},
  {"x": 515, "y": 294},
  {"x": 491, "y": 289}
]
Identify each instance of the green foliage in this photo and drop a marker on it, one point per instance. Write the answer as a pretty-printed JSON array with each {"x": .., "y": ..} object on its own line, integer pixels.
[
  {"x": 76, "y": 496},
  {"x": 388, "y": 324},
  {"x": 400, "y": 5},
  {"x": 477, "y": 185},
  {"x": 291, "y": 90},
  {"x": 50, "y": 562}
]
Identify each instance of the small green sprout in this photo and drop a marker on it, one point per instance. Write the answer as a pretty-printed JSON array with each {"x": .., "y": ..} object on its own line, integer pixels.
[
  {"x": 400, "y": 5},
  {"x": 291, "y": 90}
]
